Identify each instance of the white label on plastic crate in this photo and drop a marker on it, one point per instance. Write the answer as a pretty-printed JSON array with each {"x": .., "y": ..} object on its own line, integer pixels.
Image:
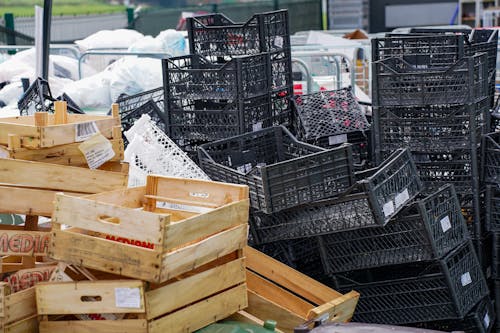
[
  {"x": 203, "y": 195},
  {"x": 84, "y": 131},
  {"x": 388, "y": 208},
  {"x": 278, "y": 41},
  {"x": 486, "y": 320},
  {"x": 257, "y": 126},
  {"x": 97, "y": 150},
  {"x": 187, "y": 208},
  {"x": 465, "y": 279},
  {"x": 128, "y": 298},
  {"x": 401, "y": 198},
  {"x": 445, "y": 223},
  {"x": 337, "y": 139},
  {"x": 244, "y": 168},
  {"x": 229, "y": 161}
]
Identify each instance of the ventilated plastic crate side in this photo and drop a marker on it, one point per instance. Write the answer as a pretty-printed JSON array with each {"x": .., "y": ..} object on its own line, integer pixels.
[
  {"x": 394, "y": 184},
  {"x": 433, "y": 128},
  {"x": 397, "y": 83},
  {"x": 428, "y": 229},
  {"x": 128, "y": 104},
  {"x": 280, "y": 171},
  {"x": 491, "y": 158},
  {"x": 492, "y": 208},
  {"x": 447, "y": 289},
  {"x": 194, "y": 77},
  {"x": 151, "y": 109}
]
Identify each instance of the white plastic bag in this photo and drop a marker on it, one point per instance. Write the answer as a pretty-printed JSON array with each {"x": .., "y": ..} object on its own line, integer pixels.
[
  {"x": 91, "y": 92},
  {"x": 148, "y": 44},
  {"x": 173, "y": 42},
  {"x": 119, "y": 38}
]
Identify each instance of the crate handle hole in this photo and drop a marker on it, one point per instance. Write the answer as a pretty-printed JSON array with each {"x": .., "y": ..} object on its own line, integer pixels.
[
  {"x": 91, "y": 298},
  {"x": 109, "y": 219}
]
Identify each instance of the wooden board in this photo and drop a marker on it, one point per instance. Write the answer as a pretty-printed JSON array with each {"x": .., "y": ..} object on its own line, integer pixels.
[
  {"x": 24, "y": 242},
  {"x": 39, "y": 175},
  {"x": 95, "y": 326},
  {"x": 68, "y": 154},
  {"x": 27, "y": 325}
]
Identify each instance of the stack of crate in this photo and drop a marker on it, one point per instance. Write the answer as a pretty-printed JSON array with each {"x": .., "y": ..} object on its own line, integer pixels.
[{"x": 312, "y": 212}]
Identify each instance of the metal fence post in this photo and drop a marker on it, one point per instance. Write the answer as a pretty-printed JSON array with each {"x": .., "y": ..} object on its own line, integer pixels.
[
  {"x": 9, "y": 24},
  {"x": 130, "y": 17}
]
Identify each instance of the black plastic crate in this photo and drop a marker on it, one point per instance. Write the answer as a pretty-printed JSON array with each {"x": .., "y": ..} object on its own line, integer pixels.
[
  {"x": 38, "y": 98},
  {"x": 426, "y": 230},
  {"x": 492, "y": 208},
  {"x": 128, "y": 104},
  {"x": 396, "y": 82},
  {"x": 433, "y": 128},
  {"x": 216, "y": 36},
  {"x": 371, "y": 202},
  {"x": 150, "y": 108},
  {"x": 281, "y": 108},
  {"x": 444, "y": 289},
  {"x": 481, "y": 319},
  {"x": 495, "y": 266},
  {"x": 491, "y": 158},
  {"x": 329, "y": 118},
  {"x": 191, "y": 123},
  {"x": 281, "y": 171},
  {"x": 194, "y": 77}
]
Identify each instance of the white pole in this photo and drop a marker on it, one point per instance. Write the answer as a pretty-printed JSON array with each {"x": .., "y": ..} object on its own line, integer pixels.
[
  {"x": 39, "y": 40},
  {"x": 479, "y": 12}
]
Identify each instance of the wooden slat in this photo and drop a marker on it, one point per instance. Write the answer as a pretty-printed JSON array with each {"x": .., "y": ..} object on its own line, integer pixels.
[
  {"x": 93, "y": 326},
  {"x": 189, "y": 290},
  {"x": 23, "y": 242},
  {"x": 26, "y": 201},
  {"x": 126, "y": 197},
  {"x": 201, "y": 191},
  {"x": 190, "y": 257},
  {"x": 277, "y": 295},
  {"x": 27, "y": 325},
  {"x": 66, "y": 297},
  {"x": 260, "y": 307},
  {"x": 105, "y": 255},
  {"x": 59, "y": 177},
  {"x": 20, "y": 305},
  {"x": 95, "y": 216},
  {"x": 206, "y": 224},
  {"x": 339, "y": 310},
  {"x": 202, "y": 313},
  {"x": 27, "y": 133},
  {"x": 289, "y": 278},
  {"x": 245, "y": 317}
]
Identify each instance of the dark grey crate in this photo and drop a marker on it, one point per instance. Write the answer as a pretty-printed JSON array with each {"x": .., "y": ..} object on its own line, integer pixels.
[
  {"x": 396, "y": 82},
  {"x": 444, "y": 289},
  {"x": 495, "y": 256},
  {"x": 150, "y": 108},
  {"x": 426, "y": 230},
  {"x": 194, "y": 77},
  {"x": 481, "y": 319},
  {"x": 371, "y": 202},
  {"x": 218, "y": 37},
  {"x": 128, "y": 104},
  {"x": 491, "y": 158},
  {"x": 492, "y": 208},
  {"x": 281, "y": 171},
  {"x": 431, "y": 128}
]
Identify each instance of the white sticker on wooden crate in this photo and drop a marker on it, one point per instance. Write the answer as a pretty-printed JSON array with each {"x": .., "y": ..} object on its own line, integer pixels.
[
  {"x": 465, "y": 279},
  {"x": 97, "y": 150},
  {"x": 128, "y": 298},
  {"x": 445, "y": 223},
  {"x": 388, "y": 208},
  {"x": 186, "y": 208},
  {"x": 337, "y": 139},
  {"x": 486, "y": 320},
  {"x": 402, "y": 198},
  {"x": 84, "y": 131},
  {"x": 203, "y": 195}
]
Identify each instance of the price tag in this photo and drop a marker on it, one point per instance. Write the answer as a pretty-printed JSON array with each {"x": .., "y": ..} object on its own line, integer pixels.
[
  {"x": 388, "y": 208},
  {"x": 486, "y": 320},
  {"x": 203, "y": 195},
  {"x": 445, "y": 223},
  {"x": 186, "y": 208},
  {"x": 401, "y": 198},
  {"x": 84, "y": 131},
  {"x": 128, "y": 298},
  {"x": 465, "y": 279},
  {"x": 97, "y": 150},
  {"x": 337, "y": 139},
  {"x": 278, "y": 41},
  {"x": 257, "y": 126}
]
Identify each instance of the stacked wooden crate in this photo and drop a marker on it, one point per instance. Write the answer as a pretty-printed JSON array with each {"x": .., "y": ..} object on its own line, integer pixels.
[{"x": 165, "y": 257}]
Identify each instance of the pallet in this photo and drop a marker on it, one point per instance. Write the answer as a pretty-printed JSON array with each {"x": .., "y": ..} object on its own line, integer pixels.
[
  {"x": 182, "y": 305},
  {"x": 29, "y": 187},
  {"x": 154, "y": 232},
  {"x": 43, "y": 130},
  {"x": 278, "y": 292}
]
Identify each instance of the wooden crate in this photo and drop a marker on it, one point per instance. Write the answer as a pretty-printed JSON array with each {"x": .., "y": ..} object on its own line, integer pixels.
[
  {"x": 43, "y": 130},
  {"x": 273, "y": 288},
  {"x": 29, "y": 188},
  {"x": 154, "y": 232},
  {"x": 182, "y": 305}
]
